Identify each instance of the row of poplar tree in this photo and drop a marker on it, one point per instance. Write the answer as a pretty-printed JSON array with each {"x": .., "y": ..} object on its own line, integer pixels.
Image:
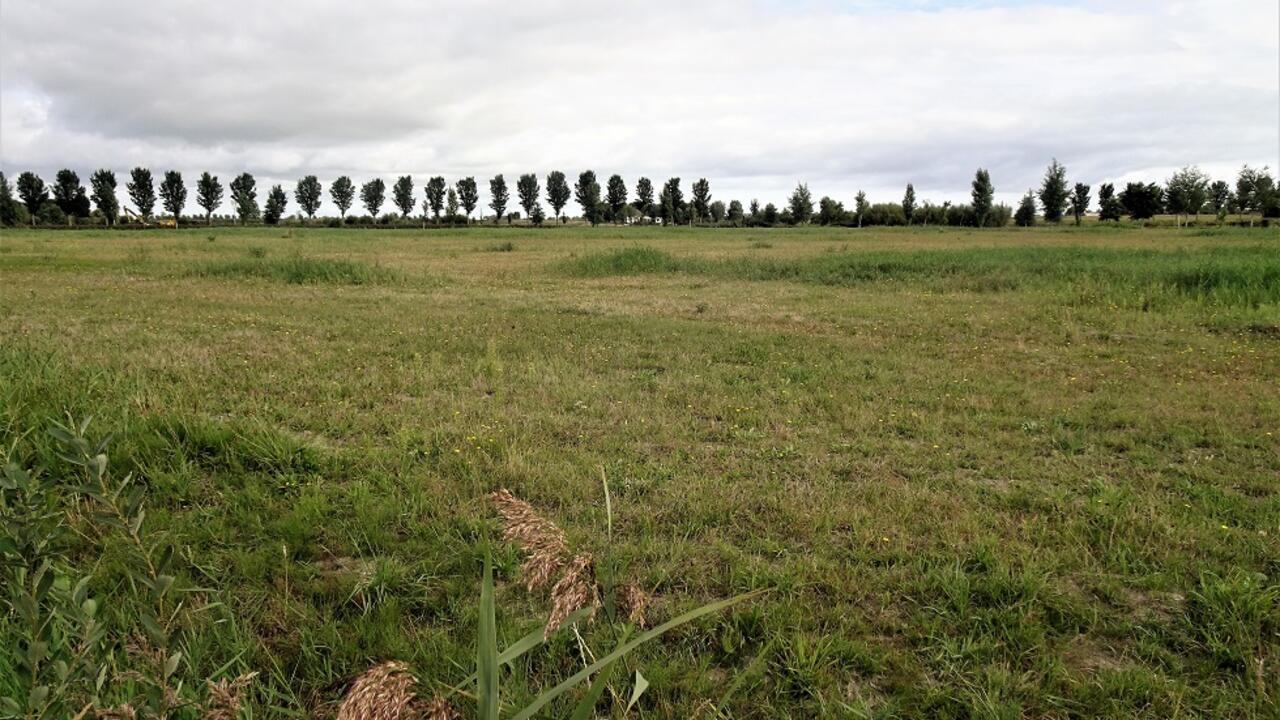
[{"x": 1188, "y": 192}]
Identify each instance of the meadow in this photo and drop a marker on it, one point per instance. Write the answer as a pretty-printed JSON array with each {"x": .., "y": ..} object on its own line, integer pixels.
[{"x": 982, "y": 474}]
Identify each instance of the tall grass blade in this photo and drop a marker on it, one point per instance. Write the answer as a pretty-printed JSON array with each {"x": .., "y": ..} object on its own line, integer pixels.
[
  {"x": 487, "y": 647},
  {"x": 588, "y": 703}
]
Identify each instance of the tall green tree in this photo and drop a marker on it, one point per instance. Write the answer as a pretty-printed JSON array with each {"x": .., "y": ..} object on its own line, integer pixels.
[
  {"x": 1053, "y": 192},
  {"x": 671, "y": 202},
  {"x": 8, "y": 206},
  {"x": 343, "y": 193},
  {"x": 103, "y": 185},
  {"x": 1220, "y": 199},
  {"x": 1079, "y": 201},
  {"x": 1109, "y": 206},
  {"x": 173, "y": 194},
  {"x": 909, "y": 202},
  {"x": 69, "y": 195},
  {"x": 468, "y": 195},
  {"x": 717, "y": 211},
  {"x": 644, "y": 197},
  {"x": 402, "y": 195},
  {"x": 984, "y": 193},
  {"x": 208, "y": 195},
  {"x": 830, "y": 211},
  {"x": 735, "y": 214},
  {"x": 1142, "y": 201},
  {"x": 451, "y": 205},
  {"x": 616, "y": 196},
  {"x": 1252, "y": 191},
  {"x": 1026, "y": 214},
  {"x": 309, "y": 193},
  {"x": 861, "y": 207},
  {"x": 372, "y": 195},
  {"x": 801, "y": 204},
  {"x": 32, "y": 191},
  {"x": 700, "y": 199},
  {"x": 277, "y": 201},
  {"x": 142, "y": 192},
  {"x": 1186, "y": 193},
  {"x": 558, "y": 192},
  {"x": 244, "y": 196},
  {"x": 586, "y": 192},
  {"x": 499, "y": 196},
  {"x": 528, "y": 190},
  {"x": 436, "y": 188}
]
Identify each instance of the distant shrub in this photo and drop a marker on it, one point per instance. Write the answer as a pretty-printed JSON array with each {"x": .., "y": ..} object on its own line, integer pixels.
[{"x": 500, "y": 247}]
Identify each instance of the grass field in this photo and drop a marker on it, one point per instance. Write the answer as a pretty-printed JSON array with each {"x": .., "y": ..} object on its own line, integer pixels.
[{"x": 986, "y": 474}]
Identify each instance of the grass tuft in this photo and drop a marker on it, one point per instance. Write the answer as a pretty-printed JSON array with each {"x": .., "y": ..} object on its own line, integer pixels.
[{"x": 297, "y": 270}]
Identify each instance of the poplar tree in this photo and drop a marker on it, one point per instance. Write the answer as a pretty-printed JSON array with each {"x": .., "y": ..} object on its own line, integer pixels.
[
  {"x": 103, "y": 183},
  {"x": 343, "y": 193},
  {"x": 208, "y": 195},
  {"x": 1054, "y": 192},
  {"x": 436, "y": 187},
  {"x": 1080, "y": 201},
  {"x": 498, "y": 197},
  {"x": 983, "y": 196},
  {"x": 308, "y": 193},
  {"x": 558, "y": 192},
  {"x": 173, "y": 194},
  {"x": 528, "y": 190},
  {"x": 142, "y": 192},
  {"x": 244, "y": 195},
  {"x": 372, "y": 195},
  {"x": 616, "y": 196},
  {"x": 468, "y": 195}
]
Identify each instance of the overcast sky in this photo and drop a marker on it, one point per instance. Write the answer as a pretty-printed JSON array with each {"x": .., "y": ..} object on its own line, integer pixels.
[{"x": 755, "y": 96}]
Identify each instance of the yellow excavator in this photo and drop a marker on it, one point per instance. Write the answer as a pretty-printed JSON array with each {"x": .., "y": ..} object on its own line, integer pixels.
[{"x": 162, "y": 222}]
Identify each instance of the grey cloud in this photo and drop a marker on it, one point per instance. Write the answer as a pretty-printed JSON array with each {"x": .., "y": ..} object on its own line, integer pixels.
[{"x": 755, "y": 96}]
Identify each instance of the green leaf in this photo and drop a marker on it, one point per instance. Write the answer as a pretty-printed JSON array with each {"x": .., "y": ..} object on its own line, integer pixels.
[
  {"x": 163, "y": 583},
  {"x": 555, "y": 692},
  {"x": 171, "y": 665},
  {"x": 157, "y": 633},
  {"x": 641, "y": 685},
  {"x": 588, "y": 703},
  {"x": 487, "y": 647}
]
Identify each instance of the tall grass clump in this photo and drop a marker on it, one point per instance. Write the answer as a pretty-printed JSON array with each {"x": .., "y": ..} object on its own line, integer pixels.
[
  {"x": 1247, "y": 276},
  {"x": 628, "y": 261},
  {"x": 297, "y": 270}
]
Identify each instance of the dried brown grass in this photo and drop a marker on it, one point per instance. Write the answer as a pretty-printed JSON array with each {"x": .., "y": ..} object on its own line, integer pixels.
[
  {"x": 541, "y": 540},
  {"x": 574, "y": 590},
  {"x": 225, "y": 697},
  {"x": 386, "y": 692}
]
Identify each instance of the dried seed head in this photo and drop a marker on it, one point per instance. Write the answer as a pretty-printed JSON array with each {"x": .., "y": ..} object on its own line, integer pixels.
[
  {"x": 632, "y": 602},
  {"x": 384, "y": 692},
  {"x": 224, "y": 699},
  {"x": 119, "y": 712},
  {"x": 575, "y": 590},
  {"x": 542, "y": 542},
  {"x": 438, "y": 708}
]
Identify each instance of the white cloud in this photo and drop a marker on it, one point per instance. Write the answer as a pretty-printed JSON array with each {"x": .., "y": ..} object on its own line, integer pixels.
[{"x": 754, "y": 96}]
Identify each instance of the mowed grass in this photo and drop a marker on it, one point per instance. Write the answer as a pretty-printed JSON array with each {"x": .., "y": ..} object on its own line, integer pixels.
[{"x": 989, "y": 474}]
